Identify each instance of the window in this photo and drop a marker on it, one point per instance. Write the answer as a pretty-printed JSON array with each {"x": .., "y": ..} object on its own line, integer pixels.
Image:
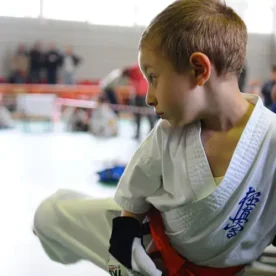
[
  {"x": 257, "y": 15},
  {"x": 264, "y": 23},
  {"x": 146, "y": 10},
  {"x": 239, "y": 6},
  {"x": 101, "y": 12},
  {"x": 110, "y": 12},
  {"x": 20, "y": 8},
  {"x": 69, "y": 10}
]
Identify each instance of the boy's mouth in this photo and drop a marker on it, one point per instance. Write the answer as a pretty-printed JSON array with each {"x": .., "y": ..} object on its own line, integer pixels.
[{"x": 160, "y": 114}]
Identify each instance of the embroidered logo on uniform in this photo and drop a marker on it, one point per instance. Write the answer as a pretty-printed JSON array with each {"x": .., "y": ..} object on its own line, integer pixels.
[{"x": 247, "y": 205}]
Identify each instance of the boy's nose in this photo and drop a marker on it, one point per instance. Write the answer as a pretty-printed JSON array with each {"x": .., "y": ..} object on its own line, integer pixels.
[{"x": 151, "y": 101}]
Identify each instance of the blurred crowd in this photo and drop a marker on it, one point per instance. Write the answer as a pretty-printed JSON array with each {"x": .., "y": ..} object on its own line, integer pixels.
[
  {"x": 37, "y": 66},
  {"x": 53, "y": 66},
  {"x": 103, "y": 120},
  {"x": 266, "y": 90}
]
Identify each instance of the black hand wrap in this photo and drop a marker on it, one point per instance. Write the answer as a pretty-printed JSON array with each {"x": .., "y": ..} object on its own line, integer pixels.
[
  {"x": 274, "y": 241},
  {"x": 124, "y": 230}
]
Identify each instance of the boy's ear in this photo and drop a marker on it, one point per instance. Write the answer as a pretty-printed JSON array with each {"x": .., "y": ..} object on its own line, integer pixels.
[{"x": 201, "y": 66}]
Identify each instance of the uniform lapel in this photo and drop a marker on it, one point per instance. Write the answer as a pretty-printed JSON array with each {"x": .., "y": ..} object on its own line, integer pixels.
[{"x": 199, "y": 172}]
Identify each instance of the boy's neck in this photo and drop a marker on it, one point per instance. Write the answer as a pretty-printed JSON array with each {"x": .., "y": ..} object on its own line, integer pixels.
[{"x": 226, "y": 107}]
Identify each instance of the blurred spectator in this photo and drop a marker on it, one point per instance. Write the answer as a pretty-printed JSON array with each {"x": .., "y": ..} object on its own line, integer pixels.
[
  {"x": 141, "y": 87},
  {"x": 254, "y": 87},
  {"x": 267, "y": 87},
  {"x": 243, "y": 79},
  {"x": 69, "y": 62},
  {"x": 52, "y": 64},
  {"x": 6, "y": 120},
  {"x": 77, "y": 119},
  {"x": 104, "y": 121},
  {"x": 109, "y": 84},
  {"x": 36, "y": 63},
  {"x": 273, "y": 98},
  {"x": 20, "y": 65}
]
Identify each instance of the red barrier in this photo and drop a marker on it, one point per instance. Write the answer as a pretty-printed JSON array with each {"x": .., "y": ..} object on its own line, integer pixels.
[
  {"x": 60, "y": 102},
  {"x": 65, "y": 91}
]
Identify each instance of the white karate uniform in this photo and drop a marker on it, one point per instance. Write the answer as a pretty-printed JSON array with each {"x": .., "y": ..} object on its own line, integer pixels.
[
  {"x": 72, "y": 226},
  {"x": 222, "y": 226},
  {"x": 170, "y": 171}
]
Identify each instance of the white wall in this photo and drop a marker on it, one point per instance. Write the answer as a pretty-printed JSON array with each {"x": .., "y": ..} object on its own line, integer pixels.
[
  {"x": 260, "y": 55},
  {"x": 274, "y": 36},
  {"x": 104, "y": 47}
]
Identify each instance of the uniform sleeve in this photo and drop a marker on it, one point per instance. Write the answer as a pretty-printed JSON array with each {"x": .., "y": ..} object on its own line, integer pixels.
[{"x": 142, "y": 176}]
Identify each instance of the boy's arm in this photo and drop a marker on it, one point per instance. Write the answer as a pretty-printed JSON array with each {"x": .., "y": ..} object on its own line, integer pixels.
[
  {"x": 127, "y": 247},
  {"x": 141, "y": 180},
  {"x": 142, "y": 176},
  {"x": 139, "y": 217}
]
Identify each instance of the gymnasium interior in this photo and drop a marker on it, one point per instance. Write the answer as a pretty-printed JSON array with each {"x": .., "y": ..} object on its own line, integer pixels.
[{"x": 50, "y": 138}]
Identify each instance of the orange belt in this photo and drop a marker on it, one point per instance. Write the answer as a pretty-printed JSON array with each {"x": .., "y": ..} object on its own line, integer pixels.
[{"x": 175, "y": 264}]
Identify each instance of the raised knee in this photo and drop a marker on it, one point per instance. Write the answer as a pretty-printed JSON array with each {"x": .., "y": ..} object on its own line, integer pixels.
[{"x": 45, "y": 217}]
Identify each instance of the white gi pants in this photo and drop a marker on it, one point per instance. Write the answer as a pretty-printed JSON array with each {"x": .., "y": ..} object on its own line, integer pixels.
[{"x": 73, "y": 227}]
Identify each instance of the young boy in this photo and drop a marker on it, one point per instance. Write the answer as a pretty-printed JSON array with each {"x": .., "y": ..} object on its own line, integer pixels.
[
  {"x": 205, "y": 169},
  {"x": 205, "y": 174}
]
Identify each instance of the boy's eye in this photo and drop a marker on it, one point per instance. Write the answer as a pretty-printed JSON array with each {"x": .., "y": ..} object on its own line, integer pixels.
[{"x": 152, "y": 79}]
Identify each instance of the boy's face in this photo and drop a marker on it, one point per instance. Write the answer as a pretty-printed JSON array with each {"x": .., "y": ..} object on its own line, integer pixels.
[{"x": 173, "y": 95}]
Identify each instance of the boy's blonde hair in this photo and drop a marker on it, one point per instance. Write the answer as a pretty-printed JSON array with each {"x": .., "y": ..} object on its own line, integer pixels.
[{"x": 207, "y": 26}]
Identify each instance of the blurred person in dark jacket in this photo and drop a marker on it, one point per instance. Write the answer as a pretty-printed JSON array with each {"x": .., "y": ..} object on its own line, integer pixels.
[
  {"x": 36, "y": 63},
  {"x": 268, "y": 86},
  {"x": 69, "y": 63},
  {"x": 242, "y": 79},
  {"x": 273, "y": 99},
  {"x": 140, "y": 85},
  {"x": 109, "y": 84},
  {"x": 52, "y": 63}
]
